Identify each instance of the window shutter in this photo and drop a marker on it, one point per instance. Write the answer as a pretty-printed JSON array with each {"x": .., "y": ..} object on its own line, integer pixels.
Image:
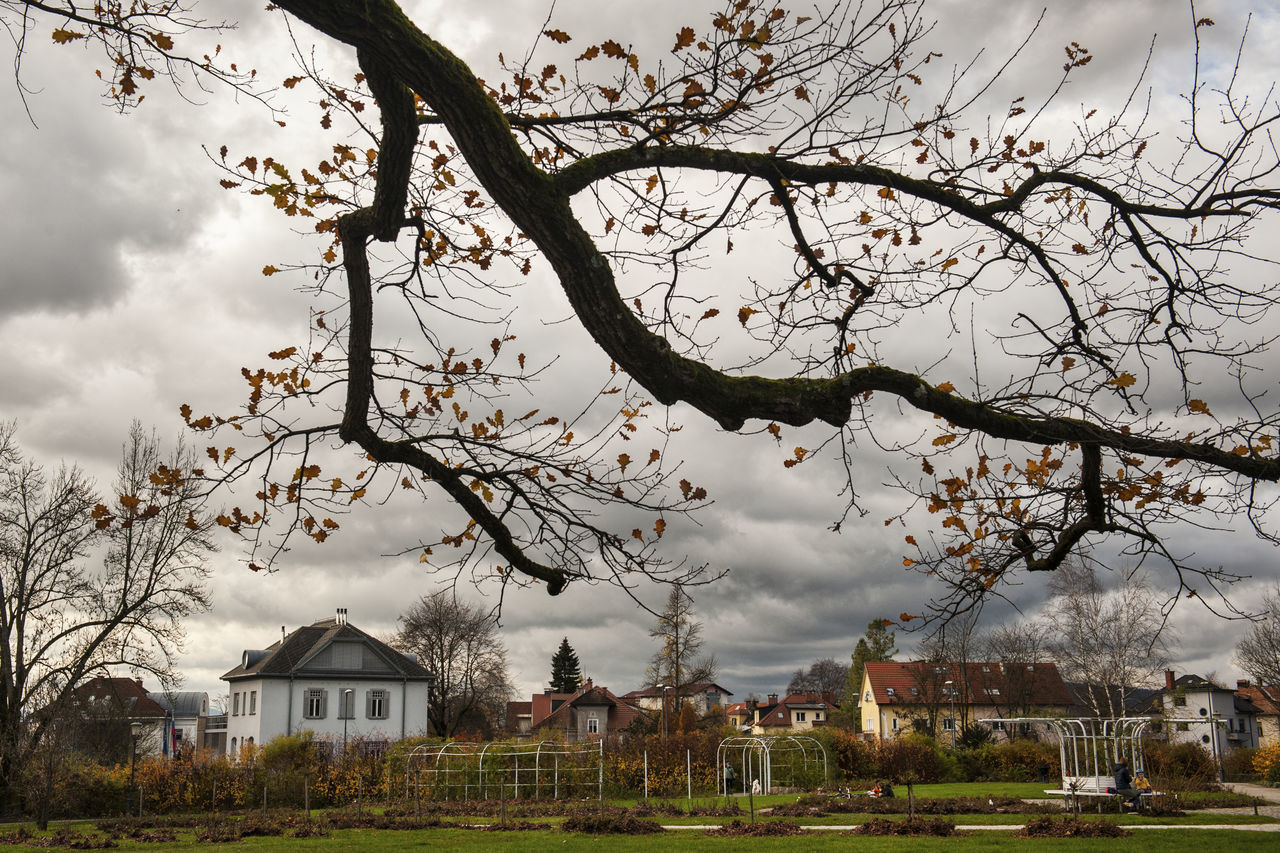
[
  {"x": 324, "y": 704},
  {"x": 368, "y": 704}
]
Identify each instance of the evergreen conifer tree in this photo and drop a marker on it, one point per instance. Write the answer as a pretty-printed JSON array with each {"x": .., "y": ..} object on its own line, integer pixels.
[{"x": 565, "y": 672}]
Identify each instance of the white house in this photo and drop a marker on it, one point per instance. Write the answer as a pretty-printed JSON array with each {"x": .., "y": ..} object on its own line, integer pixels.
[
  {"x": 1198, "y": 711},
  {"x": 329, "y": 677}
]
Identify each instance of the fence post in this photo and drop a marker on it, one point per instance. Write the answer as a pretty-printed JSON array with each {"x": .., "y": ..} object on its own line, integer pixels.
[
  {"x": 264, "y": 798},
  {"x": 646, "y": 774},
  {"x": 360, "y": 796},
  {"x": 688, "y": 771},
  {"x": 306, "y": 795}
]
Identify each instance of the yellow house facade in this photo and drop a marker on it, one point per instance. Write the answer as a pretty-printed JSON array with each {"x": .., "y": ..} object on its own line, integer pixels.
[{"x": 942, "y": 698}]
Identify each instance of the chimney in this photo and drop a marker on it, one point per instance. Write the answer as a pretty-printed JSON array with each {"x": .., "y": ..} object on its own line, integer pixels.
[
  {"x": 1242, "y": 684},
  {"x": 1168, "y": 679},
  {"x": 342, "y": 616},
  {"x": 773, "y": 698}
]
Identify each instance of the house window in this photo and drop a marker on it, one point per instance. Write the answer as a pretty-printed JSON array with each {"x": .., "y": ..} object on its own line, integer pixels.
[
  {"x": 948, "y": 724},
  {"x": 799, "y": 716},
  {"x": 593, "y": 726},
  {"x": 939, "y": 669},
  {"x": 376, "y": 704},
  {"x": 871, "y": 724},
  {"x": 817, "y": 716},
  {"x": 1030, "y": 668},
  {"x": 253, "y": 701},
  {"x": 1180, "y": 701},
  {"x": 993, "y": 691},
  {"x": 895, "y": 724},
  {"x": 867, "y": 698},
  {"x": 998, "y": 725},
  {"x": 313, "y": 704},
  {"x": 346, "y": 704},
  {"x": 235, "y": 704},
  {"x": 915, "y": 691},
  {"x": 1184, "y": 727},
  {"x": 889, "y": 691}
]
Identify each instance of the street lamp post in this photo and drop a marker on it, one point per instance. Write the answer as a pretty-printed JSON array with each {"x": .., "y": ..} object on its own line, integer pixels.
[
  {"x": 346, "y": 715},
  {"x": 135, "y": 728},
  {"x": 951, "y": 691}
]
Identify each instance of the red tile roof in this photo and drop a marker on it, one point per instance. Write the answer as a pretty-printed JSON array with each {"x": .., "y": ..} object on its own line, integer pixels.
[
  {"x": 118, "y": 696},
  {"x": 619, "y": 716},
  {"x": 1267, "y": 699},
  {"x": 913, "y": 683}
]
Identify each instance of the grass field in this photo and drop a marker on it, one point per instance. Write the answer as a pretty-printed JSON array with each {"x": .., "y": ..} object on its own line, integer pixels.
[{"x": 1172, "y": 834}]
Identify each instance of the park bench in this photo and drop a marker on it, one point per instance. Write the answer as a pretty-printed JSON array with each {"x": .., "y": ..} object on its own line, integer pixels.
[{"x": 1091, "y": 786}]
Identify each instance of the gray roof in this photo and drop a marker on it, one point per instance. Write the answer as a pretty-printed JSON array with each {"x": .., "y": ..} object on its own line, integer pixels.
[
  {"x": 308, "y": 650},
  {"x": 188, "y": 703}
]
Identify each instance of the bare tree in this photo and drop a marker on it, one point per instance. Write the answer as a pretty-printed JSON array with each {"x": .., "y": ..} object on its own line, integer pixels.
[
  {"x": 1017, "y": 647},
  {"x": 678, "y": 662},
  {"x": 823, "y": 676},
  {"x": 1108, "y": 640},
  {"x": 1096, "y": 265},
  {"x": 459, "y": 643},
  {"x": 66, "y": 616},
  {"x": 1259, "y": 652}
]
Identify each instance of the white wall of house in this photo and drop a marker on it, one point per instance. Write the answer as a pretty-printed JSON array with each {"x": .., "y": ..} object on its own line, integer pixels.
[
  {"x": 1189, "y": 714},
  {"x": 265, "y": 710}
]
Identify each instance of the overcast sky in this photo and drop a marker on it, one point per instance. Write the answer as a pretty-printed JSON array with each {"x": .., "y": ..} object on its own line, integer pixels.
[{"x": 131, "y": 284}]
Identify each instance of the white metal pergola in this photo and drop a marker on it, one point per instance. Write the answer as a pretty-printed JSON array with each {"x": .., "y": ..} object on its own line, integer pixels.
[
  {"x": 1089, "y": 746},
  {"x": 755, "y": 758},
  {"x": 459, "y": 770}
]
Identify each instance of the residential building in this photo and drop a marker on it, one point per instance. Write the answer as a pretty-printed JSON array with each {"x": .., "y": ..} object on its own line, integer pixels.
[
  {"x": 941, "y": 697},
  {"x": 704, "y": 696},
  {"x": 1196, "y": 710},
  {"x": 795, "y": 712},
  {"x": 111, "y": 707},
  {"x": 740, "y": 715},
  {"x": 1267, "y": 701},
  {"x": 331, "y": 678},
  {"x": 588, "y": 713}
]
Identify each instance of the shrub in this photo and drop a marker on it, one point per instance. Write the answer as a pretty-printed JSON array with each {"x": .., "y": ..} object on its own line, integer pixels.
[
  {"x": 1179, "y": 765},
  {"x": 1266, "y": 762},
  {"x": 1238, "y": 764},
  {"x": 911, "y": 758}
]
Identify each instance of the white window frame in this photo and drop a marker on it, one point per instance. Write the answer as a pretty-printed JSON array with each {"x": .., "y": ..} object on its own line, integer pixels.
[
  {"x": 376, "y": 703},
  {"x": 315, "y": 702},
  {"x": 593, "y": 725},
  {"x": 253, "y": 702},
  {"x": 235, "y": 704},
  {"x": 948, "y": 724}
]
